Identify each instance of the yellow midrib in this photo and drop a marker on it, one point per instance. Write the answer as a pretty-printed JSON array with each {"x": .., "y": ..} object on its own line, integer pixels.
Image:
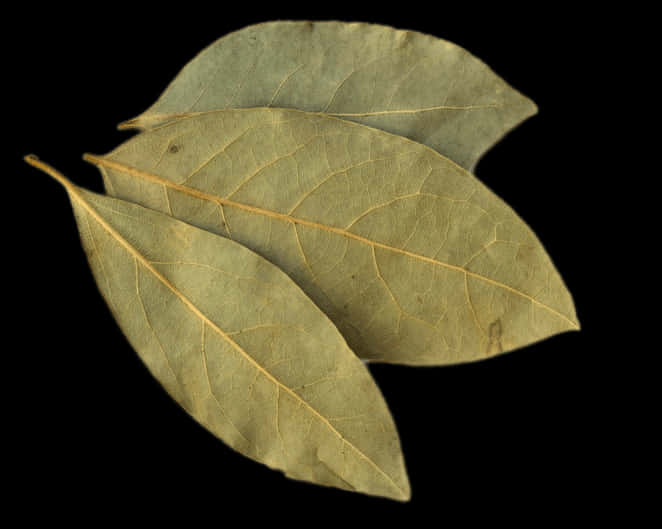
[
  {"x": 142, "y": 120},
  {"x": 411, "y": 110},
  {"x": 103, "y": 162},
  {"x": 137, "y": 255}
]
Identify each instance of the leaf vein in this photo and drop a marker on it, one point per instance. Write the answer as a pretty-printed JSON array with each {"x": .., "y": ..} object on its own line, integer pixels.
[
  {"x": 287, "y": 218},
  {"x": 205, "y": 319}
]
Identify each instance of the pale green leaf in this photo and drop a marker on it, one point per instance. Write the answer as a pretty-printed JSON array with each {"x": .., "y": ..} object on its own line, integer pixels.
[
  {"x": 405, "y": 82},
  {"x": 413, "y": 258},
  {"x": 240, "y": 347}
]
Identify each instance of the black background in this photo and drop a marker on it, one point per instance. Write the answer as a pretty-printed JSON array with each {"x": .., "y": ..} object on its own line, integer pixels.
[{"x": 98, "y": 434}]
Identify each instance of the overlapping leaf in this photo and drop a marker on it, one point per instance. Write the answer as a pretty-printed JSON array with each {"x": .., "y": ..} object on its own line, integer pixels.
[
  {"x": 413, "y": 258},
  {"x": 405, "y": 82},
  {"x": 237, "y": 344}
]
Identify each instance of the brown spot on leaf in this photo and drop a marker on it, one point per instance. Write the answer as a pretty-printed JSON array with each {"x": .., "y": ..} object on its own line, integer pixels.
[
  {"x": 494, "y": 333},
  {"x": 403, "y": 38},
  {"x": 174, "y": 149}
]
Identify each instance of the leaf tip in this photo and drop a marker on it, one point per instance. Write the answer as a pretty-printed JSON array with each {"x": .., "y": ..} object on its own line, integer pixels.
[
  {"x": 572, "y": 318},
  {"x": 533, "y": 108},
  {"x": 406, "y": 496},
  {"x": 403, "y": 489}
]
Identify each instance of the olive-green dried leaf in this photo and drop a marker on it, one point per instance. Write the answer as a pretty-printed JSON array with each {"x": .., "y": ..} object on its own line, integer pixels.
[
  {"x": 240, "y": 347},
  {"x": 412, "y": 257},
  {"x": 404, "y": 82}
]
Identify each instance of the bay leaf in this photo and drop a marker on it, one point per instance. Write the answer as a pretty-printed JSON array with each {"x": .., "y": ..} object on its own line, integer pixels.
[
  {"x": 240, "y": 347},
  {"x": 414, "y": 259},
  {"x": 408, "y": 83}
]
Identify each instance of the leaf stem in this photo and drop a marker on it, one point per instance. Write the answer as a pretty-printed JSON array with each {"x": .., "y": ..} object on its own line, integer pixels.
[
  {"x": 128, "y": 124},
  {"x": 91, "y": 158},
  {"x": 49, "y": 170}
]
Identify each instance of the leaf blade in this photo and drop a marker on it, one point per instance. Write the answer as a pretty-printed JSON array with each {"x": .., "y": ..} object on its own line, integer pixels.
[
  {"x": 279, "y": 415},
  {"x": 341, "y": 206},
  {"x": 404, "y": 82}
]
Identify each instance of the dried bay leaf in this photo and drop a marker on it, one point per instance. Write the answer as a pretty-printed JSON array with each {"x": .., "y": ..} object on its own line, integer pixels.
[
  {"x": 414, "y": 259},
  {"x": 404, "y": 82},
  {"x": 240, "y": 347}
]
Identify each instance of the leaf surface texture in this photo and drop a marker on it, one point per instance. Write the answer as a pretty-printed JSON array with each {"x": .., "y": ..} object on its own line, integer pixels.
[
  {"x": 408, "y": 83},
  {"x": 412, "y": 257},
  {"x": 240, "y": 347}
]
